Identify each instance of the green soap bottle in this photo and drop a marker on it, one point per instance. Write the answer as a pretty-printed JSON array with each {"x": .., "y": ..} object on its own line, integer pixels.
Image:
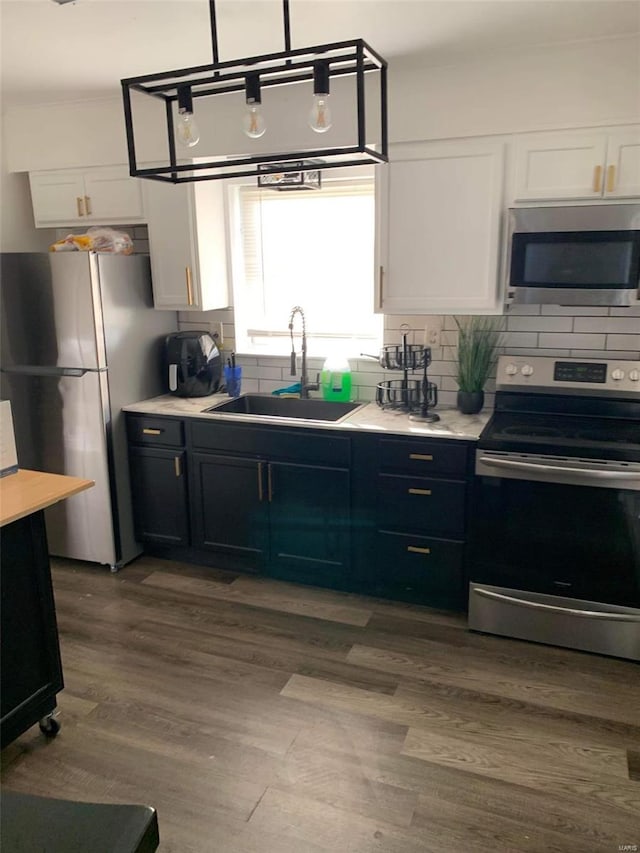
[{"x": 335, "y": 379}]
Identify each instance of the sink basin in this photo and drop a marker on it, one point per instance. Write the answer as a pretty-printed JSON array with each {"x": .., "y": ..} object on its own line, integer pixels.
[{"x": 263, "y": 405}]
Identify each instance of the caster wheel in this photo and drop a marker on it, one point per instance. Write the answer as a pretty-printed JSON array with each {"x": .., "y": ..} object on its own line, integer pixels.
[{"x": 49, "y": 726}]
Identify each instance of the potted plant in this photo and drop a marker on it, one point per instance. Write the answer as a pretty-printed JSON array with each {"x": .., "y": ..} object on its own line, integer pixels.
[{"x": 478, "y": 342}]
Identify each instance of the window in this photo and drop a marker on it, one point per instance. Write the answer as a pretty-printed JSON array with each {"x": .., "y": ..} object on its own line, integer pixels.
[{"x": 313, "y": 248}]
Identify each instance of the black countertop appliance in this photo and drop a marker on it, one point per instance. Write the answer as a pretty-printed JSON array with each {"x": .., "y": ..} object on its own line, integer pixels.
[{"x": 193, "y": 364}]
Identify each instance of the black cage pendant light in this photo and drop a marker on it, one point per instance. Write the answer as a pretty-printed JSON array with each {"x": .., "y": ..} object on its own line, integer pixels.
[{"x": 182, "y": 97}]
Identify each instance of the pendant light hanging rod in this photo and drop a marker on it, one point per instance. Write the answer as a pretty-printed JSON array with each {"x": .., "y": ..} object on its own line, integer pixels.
[
  {"x": 286, "y": 24},
  {"x": 214, "y": 31}
]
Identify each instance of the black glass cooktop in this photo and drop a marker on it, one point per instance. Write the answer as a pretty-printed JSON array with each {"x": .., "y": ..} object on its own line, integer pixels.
[{"x": 605, "y": 438}]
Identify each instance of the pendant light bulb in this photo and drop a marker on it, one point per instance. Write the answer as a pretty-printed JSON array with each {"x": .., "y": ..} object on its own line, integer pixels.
[
  {"x": 187, "y": 132},
  {"x": 319, "y": 118},
  {"x": 320, "y": 114},
  {"x": 253, "y": 123}
]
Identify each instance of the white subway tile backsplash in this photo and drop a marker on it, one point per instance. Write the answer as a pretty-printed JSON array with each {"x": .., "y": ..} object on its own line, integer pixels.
[
  {"x": 447, "y": 398},
  {"x": 623, "y": 342},
  {"x": 524, "y": 351},
  {"x": 270, "y": 372},
  {"x": 540, "y": 324},
  {"x": 395, "y": 322},
  {"x": 617, "y": 325},
  {"x": 572, "y": 341},
  {"x": 574, "y": 311},
  {"x": 630, "y": 311},
  {"x": 545, "y": 330},
  {"x": 522, "y": 310},
  {"x": 442, "y": 368},
  {"x": 520, "y": 339},
  {"x": 624, "y": 355}
]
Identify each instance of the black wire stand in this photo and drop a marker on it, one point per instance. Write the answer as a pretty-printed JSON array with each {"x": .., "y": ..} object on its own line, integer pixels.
[{"x": 415, "y": 396}]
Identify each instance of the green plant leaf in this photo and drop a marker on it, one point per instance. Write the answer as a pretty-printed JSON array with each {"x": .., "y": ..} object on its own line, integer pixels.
[{"x": 479, "y": 339}]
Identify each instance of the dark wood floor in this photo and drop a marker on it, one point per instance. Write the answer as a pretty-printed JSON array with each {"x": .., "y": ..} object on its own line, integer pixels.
[{"x": 262, "y": 717}]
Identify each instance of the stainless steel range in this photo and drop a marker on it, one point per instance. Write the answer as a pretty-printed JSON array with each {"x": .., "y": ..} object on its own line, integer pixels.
[{"x": 554, "y": 550}]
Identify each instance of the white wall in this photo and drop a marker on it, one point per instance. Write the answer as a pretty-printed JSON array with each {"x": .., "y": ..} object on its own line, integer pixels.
[
  {"x": 17, "y": 232},
  {"x": 548, "y": 87},
  {"x": 572, "y": 85},
  {"x": 575, "y": 85}
]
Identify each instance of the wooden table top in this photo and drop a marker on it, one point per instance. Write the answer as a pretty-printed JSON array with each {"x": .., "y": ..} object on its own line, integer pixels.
[{"x": 28, "y": 491}]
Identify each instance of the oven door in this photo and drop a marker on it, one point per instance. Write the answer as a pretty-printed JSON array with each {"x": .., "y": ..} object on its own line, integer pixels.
[{"x": 542, "y": 541}]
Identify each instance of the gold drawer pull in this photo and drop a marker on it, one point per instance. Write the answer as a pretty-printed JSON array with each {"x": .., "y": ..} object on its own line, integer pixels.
[
  {"x": 597, "y": 179},
  {"x": 269, "y": 483},
  {"x": 419, "y": 491},
  {"x": 611, "y": 178},
  {"x": 415, "y": 550},
  {"x": 424, "y": 457},
  {"x": 87, "y": 204},
  {"x": 381, "y": 287},
  {"x": 80, "y": 205},
  {"x": 260, "y": 481},
  {"x": 149, "y": 431},
  {"x": 176, "y": 462}
]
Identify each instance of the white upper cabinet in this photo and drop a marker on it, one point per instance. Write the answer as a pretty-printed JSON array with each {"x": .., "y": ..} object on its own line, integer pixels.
[
  {"x": 438, "y": 214},
  {"x": 187, "y": 245},
  {"x": 563, "y": 166},
  {"x": 99, "y": 196}
]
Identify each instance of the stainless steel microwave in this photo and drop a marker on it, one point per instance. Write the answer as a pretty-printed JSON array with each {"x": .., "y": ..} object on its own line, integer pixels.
[{"x": 587, "y": 255}]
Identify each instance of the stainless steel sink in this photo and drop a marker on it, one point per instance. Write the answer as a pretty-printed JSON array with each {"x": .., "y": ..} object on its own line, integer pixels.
[{"x": 267, "y": 406}]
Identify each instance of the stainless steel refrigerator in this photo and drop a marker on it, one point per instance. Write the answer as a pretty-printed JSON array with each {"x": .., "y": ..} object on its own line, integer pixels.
[{"x": 79, "y": 339}]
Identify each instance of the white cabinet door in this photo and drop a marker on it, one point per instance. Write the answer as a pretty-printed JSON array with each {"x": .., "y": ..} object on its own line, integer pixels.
[
  {"x": 111, "y": 195},
  {"x": 564, "y": 166},
  {"x": 101, "y": 196},
  {"x": 57, "y": 197},
  {"x": 438, "y": 209},
  {"x": 560, "y": 166},
  {"x": 623, "y": 165},
  {"x": 187, "y": 245}
]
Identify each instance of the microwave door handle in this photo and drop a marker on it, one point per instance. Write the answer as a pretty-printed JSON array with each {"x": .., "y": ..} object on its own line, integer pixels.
[
  {"x": 557, "y": 469},
  {"x": 173, "y": 377}
]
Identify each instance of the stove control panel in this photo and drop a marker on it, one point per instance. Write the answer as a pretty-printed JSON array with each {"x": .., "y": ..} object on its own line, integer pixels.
[{"x": 568, "y": 374}]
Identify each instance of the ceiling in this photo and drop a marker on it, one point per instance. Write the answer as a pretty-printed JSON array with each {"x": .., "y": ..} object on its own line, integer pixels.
[{"x": 82, "y": 49}]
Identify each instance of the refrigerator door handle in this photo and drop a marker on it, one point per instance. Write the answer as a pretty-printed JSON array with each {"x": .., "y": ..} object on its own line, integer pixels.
[{"x": 36, "y": 370}]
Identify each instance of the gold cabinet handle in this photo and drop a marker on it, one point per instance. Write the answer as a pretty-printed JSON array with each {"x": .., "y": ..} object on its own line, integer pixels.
[
  {"x": 415, "y": 550},
  {"x": 187, "y": 271},
  {"x": 597, "y": 179},
  {"x": 87, "y": 205},
  {"x": 419, "y": 491},
  {"x": 423, "y": 457},
  {"x": 269, "y": 483},
  {"x": 380, "y": 286},
  {"x": 260, "y": 481},
  {"x": 149, "y": 431},
  {"x": 80, "y": 205},
  {"x": 611, "y": 178},
  {"x": 178, "y": 467}
]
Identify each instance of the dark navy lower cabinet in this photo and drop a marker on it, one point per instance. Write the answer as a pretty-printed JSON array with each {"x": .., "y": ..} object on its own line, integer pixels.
[
  {"x": 379, "y": 515},
  {"x": 158, "y": 473},
  {"x": 412, "y": 496}
]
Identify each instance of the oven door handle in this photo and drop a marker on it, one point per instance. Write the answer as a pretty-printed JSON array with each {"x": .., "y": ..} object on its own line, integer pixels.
[
  {"x": 557, "y": 469},
  {"x": 571, "y": 611}
]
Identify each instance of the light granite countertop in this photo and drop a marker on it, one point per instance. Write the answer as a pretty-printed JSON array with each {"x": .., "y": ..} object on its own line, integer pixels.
[{"x": 369, "y": 417}]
